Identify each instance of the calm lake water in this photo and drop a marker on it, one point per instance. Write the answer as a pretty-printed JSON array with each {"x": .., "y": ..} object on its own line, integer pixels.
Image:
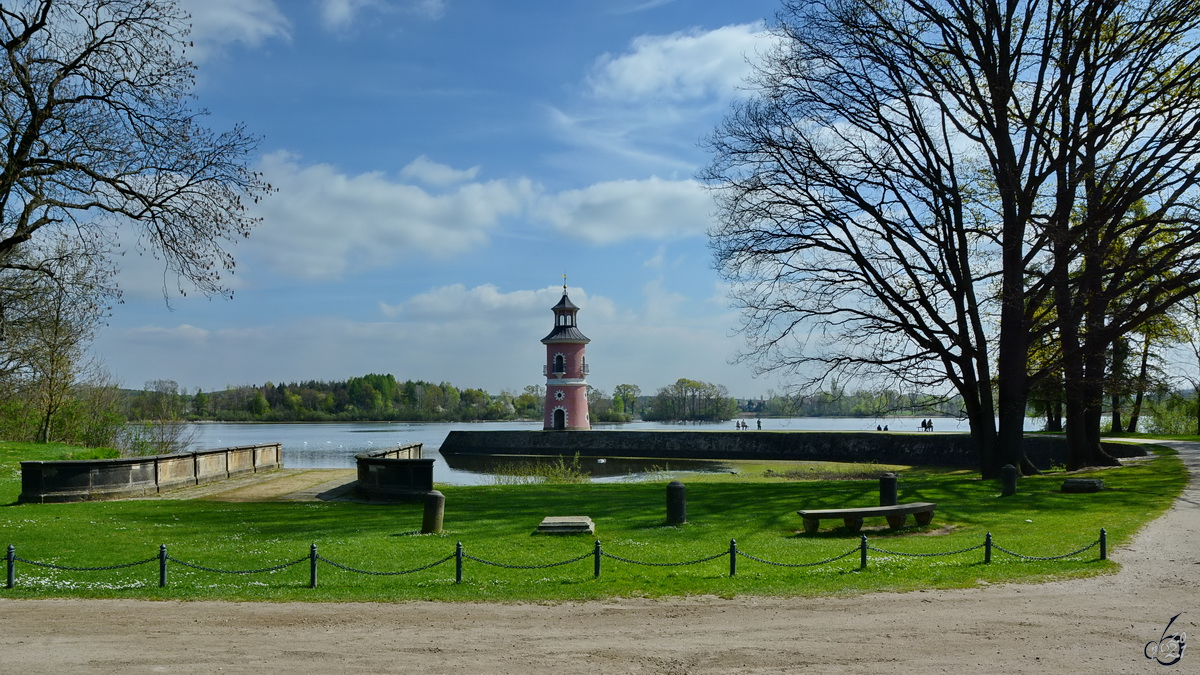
[{"x": 333, "y": 445}]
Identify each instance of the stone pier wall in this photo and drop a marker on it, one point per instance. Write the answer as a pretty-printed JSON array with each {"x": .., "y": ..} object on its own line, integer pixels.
[
  {"x": 99, "y": 479},
  {"x": 934, "y": 449},
  {"x": 395, "y": 474}
]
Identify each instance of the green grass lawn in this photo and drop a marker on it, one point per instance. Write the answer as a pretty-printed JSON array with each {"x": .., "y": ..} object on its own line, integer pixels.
[{"x": 495, "y": 523}]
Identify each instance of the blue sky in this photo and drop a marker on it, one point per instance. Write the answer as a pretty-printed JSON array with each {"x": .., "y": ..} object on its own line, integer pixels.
[{"x": 440, "y": 165}]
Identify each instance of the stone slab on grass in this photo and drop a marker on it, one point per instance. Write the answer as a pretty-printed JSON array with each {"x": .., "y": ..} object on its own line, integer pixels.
[
  {"x": 566, "y": 525},
  {"x": 1078, "y": 485}
]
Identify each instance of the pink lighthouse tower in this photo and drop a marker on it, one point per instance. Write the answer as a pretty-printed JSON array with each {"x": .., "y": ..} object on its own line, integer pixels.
[{"x": 566, "y": 371}]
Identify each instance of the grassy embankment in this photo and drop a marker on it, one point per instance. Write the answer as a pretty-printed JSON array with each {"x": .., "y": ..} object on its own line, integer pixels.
[{"x": 495, "y": 523}]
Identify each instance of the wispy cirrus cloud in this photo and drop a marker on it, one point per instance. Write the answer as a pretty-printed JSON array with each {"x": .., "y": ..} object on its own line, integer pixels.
[
  {"x": 218, "y": 23},
  {"x": 340, "y": 15},
  {"x": 641, "y": 107}
]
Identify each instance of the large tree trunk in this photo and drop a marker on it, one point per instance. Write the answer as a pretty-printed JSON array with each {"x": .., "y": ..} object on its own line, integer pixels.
[
  {"x": 1054, "y": 420},
  {"x": 1086, "y": 368}
]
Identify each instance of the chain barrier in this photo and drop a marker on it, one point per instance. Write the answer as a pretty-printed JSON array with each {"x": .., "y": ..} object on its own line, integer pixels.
[
  {"x": 84, "y": 569},
  {"x": 722, "y": 554},
  {"x": 468, "y": 556},
  {"x": 926, "y": 555},
  {"x": 597, "y": 554},
  {"x": 1049, "y": 557},
  {"x": 384, "y": 574},
  {"x": 220, "y": 571},
  {"x": 743, "y": 554}
]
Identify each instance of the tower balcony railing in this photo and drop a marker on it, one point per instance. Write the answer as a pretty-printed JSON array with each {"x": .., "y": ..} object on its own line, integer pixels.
[{"x": 561, "y": 370}]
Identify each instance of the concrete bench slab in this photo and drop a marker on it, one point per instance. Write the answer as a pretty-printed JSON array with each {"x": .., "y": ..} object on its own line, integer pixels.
[
  {"x": 1077, "y": 485},
  {"x": 896, "y": 515},
  {"x": 566, "y": 525}
]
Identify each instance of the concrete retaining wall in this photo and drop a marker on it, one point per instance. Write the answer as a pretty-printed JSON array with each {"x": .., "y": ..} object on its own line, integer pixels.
[
  {"x": 396, "y": 474},
  {"x": 97, "y": 479},
  {"x": 934, "y": 449}
]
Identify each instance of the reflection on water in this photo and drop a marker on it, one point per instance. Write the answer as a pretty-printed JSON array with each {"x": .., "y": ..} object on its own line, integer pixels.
[{"x": 602, "y": 469}]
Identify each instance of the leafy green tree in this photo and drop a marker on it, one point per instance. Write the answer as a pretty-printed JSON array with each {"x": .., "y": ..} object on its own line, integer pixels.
[{"x": 628, "y": 394}]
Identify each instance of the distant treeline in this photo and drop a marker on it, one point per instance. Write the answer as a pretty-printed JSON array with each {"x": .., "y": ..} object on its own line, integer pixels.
[
  {"x": 857, "y": 404},
  {"x": 383, "y": 398},
  {"x": 367, "y": 398}
]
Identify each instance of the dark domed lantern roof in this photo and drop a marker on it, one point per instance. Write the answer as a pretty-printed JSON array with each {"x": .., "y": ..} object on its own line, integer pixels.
[{"x": 565, "y": 329}]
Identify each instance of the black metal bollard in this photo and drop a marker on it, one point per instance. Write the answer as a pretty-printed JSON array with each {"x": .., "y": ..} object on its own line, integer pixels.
[
  {"x": 458, "y": 555},
  {"x": 1103, "y": 545},
  {"x": 863, "y": 548},
  {"x": 1008, "y": 480},
  {"x": 435, "y": 511},
  {"x": 12, "y": 566},
  {"x": 596, "y": 565},
  {"x": 312, "y": 566},
  {"x": 732, "y": 557},
  {"x": 888, "y": 492},
  {"x": 162, "y": 565},
  {"x": 987, "y": 548},
  {"x": 676, "y": 503}
]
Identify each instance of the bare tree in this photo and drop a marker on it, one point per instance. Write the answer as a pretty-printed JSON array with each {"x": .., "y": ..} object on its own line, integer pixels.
[
  {"x": 98, "y": 132},
  {"x": 920, "y": 189},
  {"x": 853, "y": 219},
  {"x": 1123, "y": 230}
]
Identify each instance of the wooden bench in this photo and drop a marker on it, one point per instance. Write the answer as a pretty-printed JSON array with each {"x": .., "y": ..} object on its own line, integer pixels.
[{"x": 853, "y": 518}]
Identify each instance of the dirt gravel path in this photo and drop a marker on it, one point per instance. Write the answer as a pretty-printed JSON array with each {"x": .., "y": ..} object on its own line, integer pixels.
[{"x": 1097, "y": 625}]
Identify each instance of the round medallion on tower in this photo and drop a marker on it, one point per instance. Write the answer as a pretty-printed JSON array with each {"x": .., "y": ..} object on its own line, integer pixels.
[{"x": 566, "y": 370}]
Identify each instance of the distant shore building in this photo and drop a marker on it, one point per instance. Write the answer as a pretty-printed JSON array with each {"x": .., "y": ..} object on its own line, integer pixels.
[{"x": 566, "y": 371}]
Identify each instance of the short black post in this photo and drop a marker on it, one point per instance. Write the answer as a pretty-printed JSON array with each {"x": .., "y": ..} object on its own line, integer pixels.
[
  {"x": 312, "y": 566},
  {"x": 863, "y": 547},
  {"x": 676, "y": 503},
  {"x": 12, "y": 566},
  {"x": 596, "y": 564},
  {"x": 458, "y": 563},
  {"x": 162, "y": 565},
  {"x": 1008, "y": 480},
  {"x": 987, "y": 548},
  {"x": 732, "y": 557},
  {"x": 1103, "y": 545},
  {"x": 435, "y": 511},
  {"x": 888, "y": 493}
]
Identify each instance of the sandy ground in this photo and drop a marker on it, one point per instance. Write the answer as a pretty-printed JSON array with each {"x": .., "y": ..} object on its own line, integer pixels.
[{"x": 1098, "y": 625}]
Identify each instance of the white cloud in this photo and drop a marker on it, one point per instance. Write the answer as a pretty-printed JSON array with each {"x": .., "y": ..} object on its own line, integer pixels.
[
  {"x": 339, "y": 15},
  {"x": 682, "y": 66},
  {"x": 430, "y": 9},
  {"x": 613, "y": 211},
  {"x": 216, "y": 23},
  {"x": 487, "y": 303},
  {"x": 322, "y": 222},
  {"x": 641, "y": 109},
  {"x": 426, "y": 171}
]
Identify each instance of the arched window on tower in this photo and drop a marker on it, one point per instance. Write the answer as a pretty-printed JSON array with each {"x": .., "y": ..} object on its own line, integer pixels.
[{"x": 560, "y": 364}]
